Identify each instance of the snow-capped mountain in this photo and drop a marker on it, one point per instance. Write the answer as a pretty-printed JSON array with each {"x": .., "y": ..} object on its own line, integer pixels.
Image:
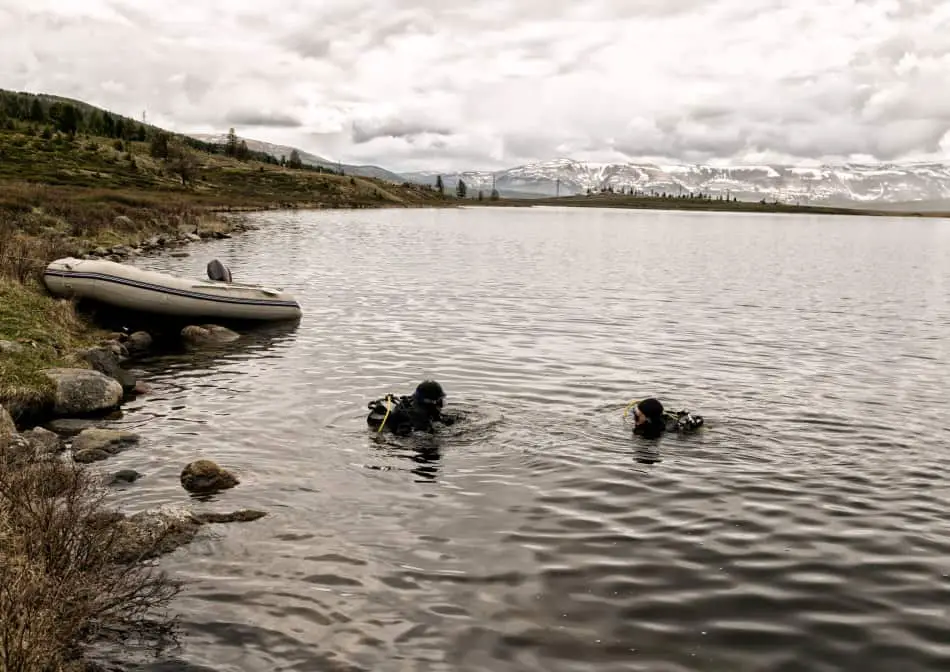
[
  {"x": 848, "y": 183},
  {"x": 278, "y": 151}
]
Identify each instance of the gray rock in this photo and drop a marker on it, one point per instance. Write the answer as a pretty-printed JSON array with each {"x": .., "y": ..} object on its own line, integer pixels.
[
  {"x": 208, "y": 333},
  {"x": 106, "y": 360},
  {"x": 193, "y": 237},
  {"x": 110, "y": 441},
  {"x": 43, "y": 441},
  {"x": 124, "y": 476},
  {"x": 139, "y": 342},
  {"x": 205, "y": 477},
  {"x": 69, "y": 426},
  {"x": 10, "y": 347},
  {"x": 90, "y": 456},
  {"x": 7, "y": 426},
  {"x": 180, "y": 253},
  {"x": 123, "y": 221},
  {"x": 100, "y": 252},
  {"x": 82, "y": 391}
]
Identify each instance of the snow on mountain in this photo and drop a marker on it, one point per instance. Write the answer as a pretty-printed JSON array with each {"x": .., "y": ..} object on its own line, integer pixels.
[{"x": 826, "y": 184}]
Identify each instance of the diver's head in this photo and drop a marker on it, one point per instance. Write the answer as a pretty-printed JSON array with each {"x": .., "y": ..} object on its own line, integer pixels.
[
  {"x": 648, "y": 411},
  {"x": 429, "y": 395}
]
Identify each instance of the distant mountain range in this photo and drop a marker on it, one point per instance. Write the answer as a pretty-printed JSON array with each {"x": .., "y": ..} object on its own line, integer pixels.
[
  {"x": 278, "y": 151},
  {"x": 845, "y": 184}
]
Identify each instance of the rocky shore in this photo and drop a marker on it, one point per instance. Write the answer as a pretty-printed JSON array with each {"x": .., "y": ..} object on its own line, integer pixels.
[{"x": 52, "y": 482}]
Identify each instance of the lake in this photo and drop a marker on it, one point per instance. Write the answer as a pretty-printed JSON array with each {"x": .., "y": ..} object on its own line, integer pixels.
[{"x": 804, "y": 528}]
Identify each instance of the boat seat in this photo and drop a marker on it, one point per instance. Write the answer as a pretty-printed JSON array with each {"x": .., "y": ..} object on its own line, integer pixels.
[{"x": 218, "y": 271}]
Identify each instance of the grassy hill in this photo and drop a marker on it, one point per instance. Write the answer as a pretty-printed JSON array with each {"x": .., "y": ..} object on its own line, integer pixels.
[{"x": 74, "y": 177}]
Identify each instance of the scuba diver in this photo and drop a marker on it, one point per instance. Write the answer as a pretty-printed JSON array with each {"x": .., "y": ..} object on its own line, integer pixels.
[
  {"x": 405, "y": 414},
  {"x": 651, "y": 420}
]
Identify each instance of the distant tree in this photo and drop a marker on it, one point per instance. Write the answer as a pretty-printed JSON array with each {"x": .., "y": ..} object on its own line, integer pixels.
[
  {"x": 36, "y": 111},
  {"x": 231, "y": 146},
  {"x": 182, "y": 162},
  {"x": 283, "y": 160},
  {"x": 67, "y": 120},
  {"x": 439, "y": 186},
  {"x": 295, "y": 161},
  {"x": 481, "y": 195},
  {"x": 243, "y": 153},
  {"x": 494, "y": 195},
  {"x": 461, "y": 188},
  {"x": 140, "y": 134},
  {"x": 158, "y": 147}
]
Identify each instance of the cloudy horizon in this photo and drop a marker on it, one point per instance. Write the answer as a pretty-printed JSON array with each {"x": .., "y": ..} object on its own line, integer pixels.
[{"x": 424, "y": 86}]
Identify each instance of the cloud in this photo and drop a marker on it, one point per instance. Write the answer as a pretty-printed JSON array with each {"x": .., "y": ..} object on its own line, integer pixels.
[
  {"x": 421, "y": 84},
  {"x": 262, "y": 118}
]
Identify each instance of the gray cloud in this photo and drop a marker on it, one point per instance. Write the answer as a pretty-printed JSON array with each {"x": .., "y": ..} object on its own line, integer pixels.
[
  {"x": 415, "y": 84},
  {"x": 253, "y": 118}
]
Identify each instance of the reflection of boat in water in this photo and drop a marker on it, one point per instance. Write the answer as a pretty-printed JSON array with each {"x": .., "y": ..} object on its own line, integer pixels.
[{"x": 136, "y": 289}]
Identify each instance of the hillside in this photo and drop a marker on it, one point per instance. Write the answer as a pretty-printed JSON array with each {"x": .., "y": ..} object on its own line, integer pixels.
[
  {"x": 307, "y": 158},
  {"x": 863, "y": 185}
]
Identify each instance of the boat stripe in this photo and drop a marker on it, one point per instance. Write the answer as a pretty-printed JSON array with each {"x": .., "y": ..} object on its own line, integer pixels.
[{"x": 170, "y": 290}]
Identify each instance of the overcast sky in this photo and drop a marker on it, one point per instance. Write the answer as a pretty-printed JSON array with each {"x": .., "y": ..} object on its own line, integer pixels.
[{"x": 429, "y": 84}]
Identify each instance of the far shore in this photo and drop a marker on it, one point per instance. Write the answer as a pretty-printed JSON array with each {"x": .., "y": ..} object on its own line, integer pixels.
[{"x": 713, "y": 204}]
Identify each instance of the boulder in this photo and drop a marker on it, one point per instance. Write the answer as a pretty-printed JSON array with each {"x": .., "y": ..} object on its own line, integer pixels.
[
  {"x": 44, "y": 442},
  {"x": 94, "y": 444},
  {"x": 82, "y": 391},
  {"x": 138, "y": 342},
  {"x": 7, "y": 426},
  {"x": 124, "y": 476},
  {"x": 69, "y": 426},
  {"x": 106, "y": 360},
  {"x": 152, "y": 533},
  {"x": 123, "y": 222},
  {"x": 10, "y": 347},
  {"x": 205, "y": 477},
  {"x": 208, "y": 333}
]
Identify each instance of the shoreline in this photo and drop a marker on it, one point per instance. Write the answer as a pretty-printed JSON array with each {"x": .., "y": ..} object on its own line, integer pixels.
[
  {"x": 658, "y": 203},
  {"x": 51, "y": 464}
]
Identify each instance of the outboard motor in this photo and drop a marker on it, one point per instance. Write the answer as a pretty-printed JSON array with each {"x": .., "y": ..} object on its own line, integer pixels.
[{"x": 218, "y": 271}]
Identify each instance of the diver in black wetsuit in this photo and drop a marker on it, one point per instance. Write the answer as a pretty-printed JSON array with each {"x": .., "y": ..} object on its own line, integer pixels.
[
  {"x": 651, "y": 420},
  {"x": 405, "y": 414}
]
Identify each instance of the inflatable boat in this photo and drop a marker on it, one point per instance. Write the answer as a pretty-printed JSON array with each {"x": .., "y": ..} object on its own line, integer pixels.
[{"x": 132, "y": 288}]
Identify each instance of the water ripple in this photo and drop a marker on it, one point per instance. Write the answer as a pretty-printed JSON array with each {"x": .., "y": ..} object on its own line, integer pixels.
[{"x": 802, "y": 529}]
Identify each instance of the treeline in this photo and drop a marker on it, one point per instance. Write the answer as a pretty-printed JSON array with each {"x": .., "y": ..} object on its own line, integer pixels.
[
  {"x": 45, "y": 115},
  {"x": 654, "y": 193}
]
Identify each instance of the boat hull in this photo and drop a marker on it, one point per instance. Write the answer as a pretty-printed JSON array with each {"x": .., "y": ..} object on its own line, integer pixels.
[{"x": 140, "y": 290}]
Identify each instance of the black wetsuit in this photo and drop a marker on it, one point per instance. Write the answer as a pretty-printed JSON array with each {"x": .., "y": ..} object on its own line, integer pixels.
[
  {"x": 681, "y": 421},
  {"x": 406, "y": 415}
]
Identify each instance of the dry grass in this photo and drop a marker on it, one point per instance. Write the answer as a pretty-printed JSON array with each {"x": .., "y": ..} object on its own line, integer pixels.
[{"x": 60, "y": 584}]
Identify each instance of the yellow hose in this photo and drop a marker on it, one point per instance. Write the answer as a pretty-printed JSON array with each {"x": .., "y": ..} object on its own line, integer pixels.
[{"x": 388, "y": 408}]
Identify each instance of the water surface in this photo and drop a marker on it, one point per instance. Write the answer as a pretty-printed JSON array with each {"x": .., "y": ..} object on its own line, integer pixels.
[{"x": 804, "y": 529}]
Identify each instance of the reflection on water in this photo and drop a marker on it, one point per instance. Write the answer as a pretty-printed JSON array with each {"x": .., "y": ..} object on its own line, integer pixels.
[{"x": 803, "y": 529}]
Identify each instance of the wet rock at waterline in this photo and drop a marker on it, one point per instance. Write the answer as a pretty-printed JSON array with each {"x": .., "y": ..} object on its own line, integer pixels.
[
  {"x": 206, "y": 477},
  {"x": 106, "y": 360},
  {"x": 94, "y": 444},
  {"x": 69, "y": 426},
  {"x": 82, "y": 391},
  {"x": 138, "y": 342},
  {"x": 150, "y": 534},
  {"x": 180, "y": 254},
  {"x": 44, "y": 442},
  {"x": 208, "y": 333},
  {"x": 123, "y": 477}
]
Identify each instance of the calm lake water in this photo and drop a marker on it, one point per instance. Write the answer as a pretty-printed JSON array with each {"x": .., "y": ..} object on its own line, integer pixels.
[{"x": 805, "y": 528}]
